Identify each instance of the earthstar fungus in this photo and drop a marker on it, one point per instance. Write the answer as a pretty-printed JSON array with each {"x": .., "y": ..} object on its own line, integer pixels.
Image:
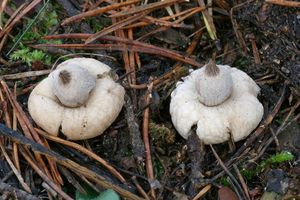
[
  {"x": 220, "y": 100},
  {"x": 78, "y": 98}
]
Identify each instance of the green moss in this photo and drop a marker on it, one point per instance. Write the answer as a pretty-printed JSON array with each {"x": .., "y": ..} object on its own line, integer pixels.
[
  {"x": 158, "y": 169},
  {"x": 276, "y": 159},
  {"x": 241, "y": 63},
  {"x": 161, "y": 134},
  {"x": 249, "y": 175},
  {"x": 27, "y": 55},
  {"x": 34, "y": 29},
  {"x": 224, "y": 181},
  {"x": 99, "y": 23}
]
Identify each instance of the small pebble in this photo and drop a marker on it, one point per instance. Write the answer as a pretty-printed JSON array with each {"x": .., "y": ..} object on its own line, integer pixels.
[{"x": 285, "y": 70}]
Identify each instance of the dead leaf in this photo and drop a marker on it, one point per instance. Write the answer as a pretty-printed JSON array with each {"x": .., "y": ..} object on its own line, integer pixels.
[{"x": 226, "y": 193}]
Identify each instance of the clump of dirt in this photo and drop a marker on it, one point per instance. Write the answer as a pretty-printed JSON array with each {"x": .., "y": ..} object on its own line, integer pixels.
[{"x": 277, "y": 32}]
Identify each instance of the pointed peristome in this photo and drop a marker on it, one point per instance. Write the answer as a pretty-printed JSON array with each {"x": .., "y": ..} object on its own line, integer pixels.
[
  {"x": 211, "y": 68},
  {"x": 72, "y": 85},
  {"x": 65, "y": 77},
  {"x": 214, "y": 84}
]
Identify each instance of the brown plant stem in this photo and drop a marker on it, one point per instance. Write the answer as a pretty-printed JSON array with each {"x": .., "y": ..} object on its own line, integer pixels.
[
  {"x": 21, "y": 13},
  {"x": 139, "y": 188},
  {"x": 284, "y": 3},
  {"x": 19, "y": 194},
  {"x": 115, "y": 26},
  {"x": 42, "y": 175},
  {"x": 98, "y": 11},
  {"x": 149, "y": 166},
  {"x": 143, "y": 8},
  {"x": 32, "y": 134},
  {"x": 196, "y": 153},
  {"x": 144, "y": 48},
  {"x": 15, "y": 170},
  {"x": 15, "y": 146},
  {"x": 83, "y": 150},
  {"x": 25, "y": 74},
  {"x": 26, "y": 132},
  {"x": 78, "y": 169},
  {"x": 202, "y": 192},
  {"x": 233, "y": 179},
  {"x": 242, "y": 181}
]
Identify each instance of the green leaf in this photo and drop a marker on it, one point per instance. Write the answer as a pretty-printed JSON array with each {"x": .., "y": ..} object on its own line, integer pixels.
[
  {"x": 210, "y": 31},
  {"x": 108, "y": 195},
  {"x": 92, "y": 195}
]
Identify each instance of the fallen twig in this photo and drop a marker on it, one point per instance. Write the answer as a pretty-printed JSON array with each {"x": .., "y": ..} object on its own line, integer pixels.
[
  {"x": 26, "y": 133},
  {"x": 43, "y": 176},
  {"x": 131, "y": 46},
  {"x": 11, "y": 19},
  {"x": 149, "y": 166},
  {"x": 139, "y": 188},
  {"x": 148, "y": 7},
  {"x": 98, "y": 11},
  {"x": 85, "y": 151},
  {"x": 134, "y": 130},
  {"x": 23, "y": 11},
  {"x": 242, "y": 181},
  {"x": 4, "y": 109},
  {"x": 196, "y": 153},
  {"x": 175, "y": 68},
  {"x": 2, "y": 6},
  {"x": 14, "y": 127},
  {"x": 15, "y": 170},
  {"x": 20, "y": 194},
  {"x": 235, "y": 26},
  {"x": 202, "y": 192},
  {"x": 25, "y": 74},
  {"x": 20, "y": 139},
  {"x": 164, "y": 20},
  {"x": 284, "y": 3},
  {"x": 31, "y": 133},
  {"x": 178, "y": 65},
  {"x": 72, "y": 180},
  {"x": 115, "y": 26},
  {"x": 255, "y": 51},
  {"x": 236, "y": 184}
]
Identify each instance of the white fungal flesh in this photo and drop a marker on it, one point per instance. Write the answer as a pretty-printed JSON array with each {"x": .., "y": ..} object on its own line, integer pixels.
[
  {"x": 239, "y": 114},
  {"x": 213, "y": 90},
  {"x": 77, "y": 88},
  {"x": 87, "y": 121}
]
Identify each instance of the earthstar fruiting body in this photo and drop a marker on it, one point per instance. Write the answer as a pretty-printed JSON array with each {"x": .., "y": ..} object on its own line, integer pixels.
[
  {"x": 92, "y": 103},
  {"x": 221, "y": 104},
  {"x": 72, "y": 84},
  {"x": 215, "y": 85}
]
